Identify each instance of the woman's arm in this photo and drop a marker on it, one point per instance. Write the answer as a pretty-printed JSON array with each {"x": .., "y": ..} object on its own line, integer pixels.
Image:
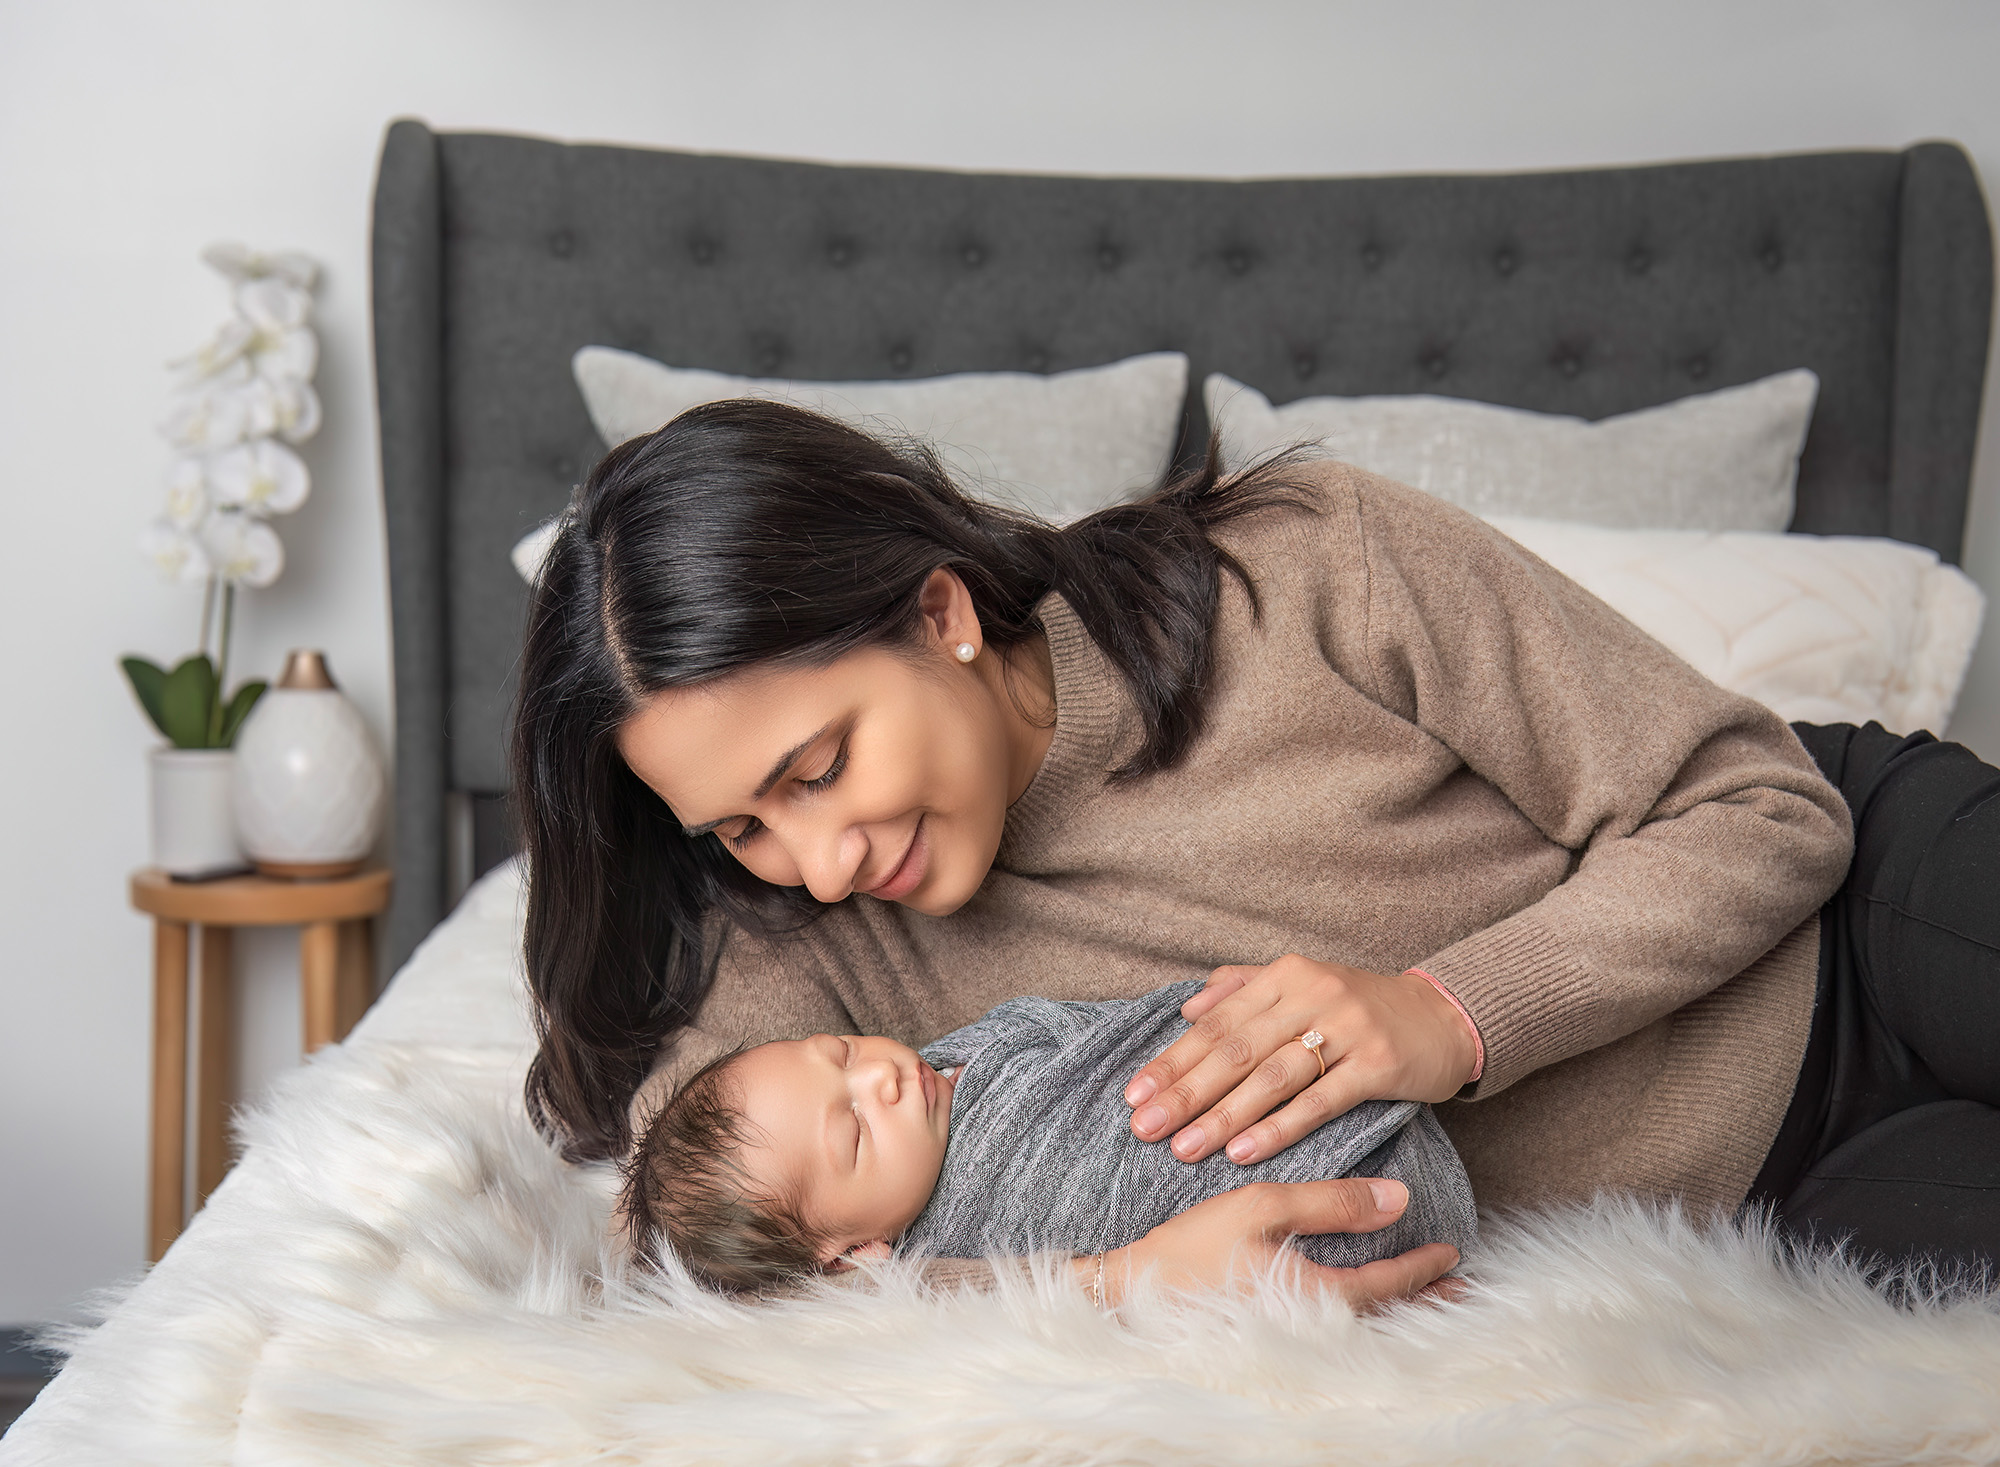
[{"x": 1700, "y": 834}]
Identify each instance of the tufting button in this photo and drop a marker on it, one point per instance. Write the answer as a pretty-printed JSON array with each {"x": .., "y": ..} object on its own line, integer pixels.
[
  {"x": 1772, "y": 256},
  {"x": 702, "y": 251},
  {"x": 1569, "y": 364},
  {"x": 1434, "y": 363},
  {"x": 1305, "y": 364},
  {"x": 1108, "y": 257},
  {"x": 562, "y": 244},
  {"x": 1371, "y": 255},
  {"x": 1038, "y": 360},
  {"x": 769, "y": 358},
  {"x": 899, "y": 358},
  {"x": 974, "y": 256},
  {"x": 1639, "y": 261},
  {"x": 1505, "y": 262},
  {"x": 1238, "y": 261},
  {"x": 839, "y": 251},
  {"x": 1697, "y": 367}
]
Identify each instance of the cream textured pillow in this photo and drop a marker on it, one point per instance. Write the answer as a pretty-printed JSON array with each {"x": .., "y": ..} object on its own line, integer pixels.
[
  {"x": 1828, "y": 629},
  {"x": 1723, "y": 460},
  {"x": 1060, "y": 446}
]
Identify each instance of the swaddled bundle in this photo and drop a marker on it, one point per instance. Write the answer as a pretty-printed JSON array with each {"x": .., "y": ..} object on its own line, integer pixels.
[
  {"x": 1041, "y": 1152},
  {"x": 1008, "y": 1136}
]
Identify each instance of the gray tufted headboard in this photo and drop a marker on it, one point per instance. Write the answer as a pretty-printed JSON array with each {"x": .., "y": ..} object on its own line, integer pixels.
[{"x": 1590, "y": 293}]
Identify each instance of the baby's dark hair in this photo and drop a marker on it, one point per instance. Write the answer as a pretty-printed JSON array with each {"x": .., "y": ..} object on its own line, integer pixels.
[{"x": 686, "y": 1190}]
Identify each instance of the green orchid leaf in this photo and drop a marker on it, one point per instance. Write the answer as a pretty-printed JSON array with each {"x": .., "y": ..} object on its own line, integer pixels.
[
  {"x": 149, "y": 681},
  {"x": 239, "y": 708},
  {"x": 187, "y": 703}
]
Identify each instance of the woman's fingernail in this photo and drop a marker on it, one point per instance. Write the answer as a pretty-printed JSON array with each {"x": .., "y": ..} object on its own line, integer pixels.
[
  {"x": 1151, "y": 1119},
  {"x": 1189, "y": 1142},
  {"x": 1241, "y": 1148},
  {"x": 1140, "y": 1090},
  {"x": 1389, "y": 1196}
]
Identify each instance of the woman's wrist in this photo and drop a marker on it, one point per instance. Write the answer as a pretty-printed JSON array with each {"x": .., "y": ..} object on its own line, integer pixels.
[{"x": 1478, "y": 1063}]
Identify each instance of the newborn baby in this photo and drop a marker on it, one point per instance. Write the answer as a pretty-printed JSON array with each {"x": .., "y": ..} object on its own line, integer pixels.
[{"x": 1008, "y": 1136}]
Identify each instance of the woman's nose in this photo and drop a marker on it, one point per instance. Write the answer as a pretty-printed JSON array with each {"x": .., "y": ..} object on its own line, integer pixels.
[{"x": 829, "y": 860}]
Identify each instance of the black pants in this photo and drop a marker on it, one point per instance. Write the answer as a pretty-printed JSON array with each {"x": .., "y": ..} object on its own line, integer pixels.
[{"x": 1892, "y": 1140}]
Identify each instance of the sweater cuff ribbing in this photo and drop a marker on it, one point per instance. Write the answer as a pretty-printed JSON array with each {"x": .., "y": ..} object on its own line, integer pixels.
[{"x": 1528, "y": 997}]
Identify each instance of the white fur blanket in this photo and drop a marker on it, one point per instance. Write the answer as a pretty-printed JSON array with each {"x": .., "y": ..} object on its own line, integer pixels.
[{"x": 400, "y": 1272}]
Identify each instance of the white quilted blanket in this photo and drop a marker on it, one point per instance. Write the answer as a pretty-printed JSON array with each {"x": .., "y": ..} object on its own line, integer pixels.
[
  {"x": 400, "y": 1272},
  {"x": 1825, "y": 629}
]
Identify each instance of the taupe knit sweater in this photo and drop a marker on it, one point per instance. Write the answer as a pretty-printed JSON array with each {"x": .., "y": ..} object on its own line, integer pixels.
[{"x": 1432, "y": 750}]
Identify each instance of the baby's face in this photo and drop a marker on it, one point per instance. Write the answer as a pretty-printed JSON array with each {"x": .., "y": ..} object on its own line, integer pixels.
[{"x": 856, "y": 1123}]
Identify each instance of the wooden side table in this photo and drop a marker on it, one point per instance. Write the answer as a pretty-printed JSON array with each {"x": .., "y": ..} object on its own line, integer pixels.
[{"x": 336, "y": 974}]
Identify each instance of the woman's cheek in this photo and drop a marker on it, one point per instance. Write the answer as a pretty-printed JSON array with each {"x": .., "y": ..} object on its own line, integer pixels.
[{"x": 768, "y": 861}]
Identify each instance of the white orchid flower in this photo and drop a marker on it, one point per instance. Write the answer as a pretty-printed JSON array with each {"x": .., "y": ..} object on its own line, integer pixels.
[
  {"x": 259, "y": 477},
  {"x": 178, "y": 555},
  {"x": 206, "y": 419},
  {"x": 243, "y": 549},
  {"x": 239, "y": 262},
  {"x": 187, "y": 492},
  {"x": 287, "y": 356},
  {"x": 232, "y": 339},
  {"x": 272, "y": 306},
  {"x": 298, "y": 410}
]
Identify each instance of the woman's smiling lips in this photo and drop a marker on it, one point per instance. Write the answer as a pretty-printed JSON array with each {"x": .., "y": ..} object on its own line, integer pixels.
[{"x": 910, "y": 871}]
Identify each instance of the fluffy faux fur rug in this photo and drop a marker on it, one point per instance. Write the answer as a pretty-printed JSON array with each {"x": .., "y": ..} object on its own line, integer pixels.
[{"x": 400, "y": 1273}]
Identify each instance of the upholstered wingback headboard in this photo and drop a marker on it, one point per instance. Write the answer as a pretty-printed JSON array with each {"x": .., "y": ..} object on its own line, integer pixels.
[{"x": 1590, "y": 293}]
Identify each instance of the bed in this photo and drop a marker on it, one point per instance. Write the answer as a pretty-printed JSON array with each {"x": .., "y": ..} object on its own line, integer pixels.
[{"x": 399, "y": 1271}]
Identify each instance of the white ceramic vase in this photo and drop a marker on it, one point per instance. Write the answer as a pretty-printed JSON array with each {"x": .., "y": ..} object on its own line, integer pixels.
[
  {"x": 193, "y": 827},
  {"x": 309, "y": 784}
]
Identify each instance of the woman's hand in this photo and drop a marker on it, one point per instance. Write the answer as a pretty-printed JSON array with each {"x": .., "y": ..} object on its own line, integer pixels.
[
  {"x": 1386, "y": 1038},
  {"x": 1237, "y": 1236}
]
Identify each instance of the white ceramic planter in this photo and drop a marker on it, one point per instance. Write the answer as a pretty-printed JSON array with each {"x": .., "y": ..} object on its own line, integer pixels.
[
  {"x": 193, "y": 826},
  {"x": 309, "y": 785}
]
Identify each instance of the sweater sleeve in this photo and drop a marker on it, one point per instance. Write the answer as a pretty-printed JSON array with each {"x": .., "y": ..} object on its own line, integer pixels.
[{"x": 1700, "y": 831}]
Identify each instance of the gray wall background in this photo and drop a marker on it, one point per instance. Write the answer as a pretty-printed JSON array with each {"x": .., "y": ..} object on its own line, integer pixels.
[{"x": 131, "y": 134}]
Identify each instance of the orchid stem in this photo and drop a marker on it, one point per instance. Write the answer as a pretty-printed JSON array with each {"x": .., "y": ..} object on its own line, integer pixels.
[
  {"x": 207, "y": 615},
  {"x": 222, "y": 665}
]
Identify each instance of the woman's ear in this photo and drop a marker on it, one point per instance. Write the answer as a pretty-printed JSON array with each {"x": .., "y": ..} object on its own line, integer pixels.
[{"x": 948, "y": 613}]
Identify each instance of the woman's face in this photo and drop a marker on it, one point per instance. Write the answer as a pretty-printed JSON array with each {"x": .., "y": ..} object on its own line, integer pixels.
[{"x": 887, "y": 772}]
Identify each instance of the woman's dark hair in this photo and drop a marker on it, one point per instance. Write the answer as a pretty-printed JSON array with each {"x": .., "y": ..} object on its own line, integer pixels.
[
  {"x": 687, "y": 1191},
  {"x": 748, "y": 531}
]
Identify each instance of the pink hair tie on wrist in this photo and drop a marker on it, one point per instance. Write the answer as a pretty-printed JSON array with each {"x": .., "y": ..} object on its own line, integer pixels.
[{"x": 1478, "y": 1044}]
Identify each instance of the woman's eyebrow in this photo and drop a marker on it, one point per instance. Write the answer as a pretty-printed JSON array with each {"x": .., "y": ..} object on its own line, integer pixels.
[{"x": 778, "y": 772}]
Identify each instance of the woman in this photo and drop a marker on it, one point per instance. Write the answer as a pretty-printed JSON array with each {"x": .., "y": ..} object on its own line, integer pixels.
[{"x": 809, "y": 741}]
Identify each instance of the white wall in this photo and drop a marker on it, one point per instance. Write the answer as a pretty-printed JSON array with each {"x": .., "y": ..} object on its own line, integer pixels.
[{"x": 131, "y": 133}]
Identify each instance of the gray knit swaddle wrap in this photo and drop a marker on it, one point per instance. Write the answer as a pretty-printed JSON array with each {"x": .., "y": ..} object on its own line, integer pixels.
[{"x": 1041, "y": 1153}]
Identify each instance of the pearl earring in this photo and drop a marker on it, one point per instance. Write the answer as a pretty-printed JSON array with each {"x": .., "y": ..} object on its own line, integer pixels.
[{"x": 966, "y": 651}]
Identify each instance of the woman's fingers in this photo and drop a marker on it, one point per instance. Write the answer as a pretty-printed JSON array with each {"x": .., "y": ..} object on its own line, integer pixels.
[
  {"x": 1247, "y": 1062},
  {"x": 1221, "y": 984},
  {"x": 1212, "y": 1030},
  {"x": 1343, "y": 1088},
  {"x": 1287, "y": 1070},
  {"x": 1388, "y": 1279}
]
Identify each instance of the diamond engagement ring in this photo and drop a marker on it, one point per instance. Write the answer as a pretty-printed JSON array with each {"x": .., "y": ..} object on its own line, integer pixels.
[{"x": 1312, "y": 1039}]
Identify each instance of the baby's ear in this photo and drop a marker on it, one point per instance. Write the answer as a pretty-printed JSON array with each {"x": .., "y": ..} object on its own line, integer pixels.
[{"x": 873, "y": 1252}]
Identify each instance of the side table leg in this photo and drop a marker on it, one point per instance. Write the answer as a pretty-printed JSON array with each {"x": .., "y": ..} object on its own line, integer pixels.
[
  {"x": 319, "y": 975},
  {"x": 213, "y": 1049},
  {"x": 170, "y": 1034},
  {"x": 357, "y": 974}
]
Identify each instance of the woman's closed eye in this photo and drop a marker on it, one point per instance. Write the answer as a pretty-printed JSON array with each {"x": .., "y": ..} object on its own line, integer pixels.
[
  {"x": 753, "y": 827},
  {"x": 825, "y": 781}
]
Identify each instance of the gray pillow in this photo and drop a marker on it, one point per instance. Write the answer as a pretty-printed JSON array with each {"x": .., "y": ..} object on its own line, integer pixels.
[
  {"x": 1060, "y": 446},
  {"x": 1723, "y": 460}
]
